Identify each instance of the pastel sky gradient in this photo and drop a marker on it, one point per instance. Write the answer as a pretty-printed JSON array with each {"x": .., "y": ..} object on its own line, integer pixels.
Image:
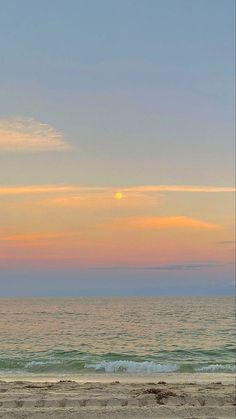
[{"x": 117, "y": 147}]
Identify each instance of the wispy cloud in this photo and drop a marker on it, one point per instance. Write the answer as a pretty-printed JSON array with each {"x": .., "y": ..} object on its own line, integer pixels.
[
  {"x": 36, "y": 189},
  {"x": 136, "y": 190},
  {"x": 180, "y": 188},
  {"x": 32, "y": 237},
  {"x": 162, "y": 223},
  {"x": 169, "y": 267},
  {"x": 27, "y": 135}
]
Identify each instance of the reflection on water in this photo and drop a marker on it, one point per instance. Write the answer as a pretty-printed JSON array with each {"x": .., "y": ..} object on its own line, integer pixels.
[{"x": 86, "y": 332}]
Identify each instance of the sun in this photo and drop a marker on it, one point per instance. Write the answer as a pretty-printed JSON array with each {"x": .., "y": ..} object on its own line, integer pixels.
[{"x": 119, "y": 195}]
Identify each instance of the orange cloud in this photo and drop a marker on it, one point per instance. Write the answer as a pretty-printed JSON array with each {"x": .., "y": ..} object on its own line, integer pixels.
[
  {"x": 45, "y": 189},
  {"x": 102, "y": 199},
  {"x": 37, "y": 237},
  {"x": 137, "y": 190},
  {"x": 26, "y": 134},
  {"x": 180, "y": 188},
  {"x": 162, "y": 223}
]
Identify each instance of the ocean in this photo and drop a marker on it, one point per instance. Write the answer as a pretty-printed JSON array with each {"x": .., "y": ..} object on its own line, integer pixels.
[{"x": 116, "y": 335}]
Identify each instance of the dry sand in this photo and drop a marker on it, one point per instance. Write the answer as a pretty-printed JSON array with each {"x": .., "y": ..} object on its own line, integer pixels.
[{"x": 121, "y": 398}]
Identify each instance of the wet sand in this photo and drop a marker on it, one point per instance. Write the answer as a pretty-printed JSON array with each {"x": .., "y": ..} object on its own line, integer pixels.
[{"x": 168, "y": 396}]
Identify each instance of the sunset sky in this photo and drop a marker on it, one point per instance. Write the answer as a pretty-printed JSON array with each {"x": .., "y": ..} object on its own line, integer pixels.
[{"x": 116, "y": 147}]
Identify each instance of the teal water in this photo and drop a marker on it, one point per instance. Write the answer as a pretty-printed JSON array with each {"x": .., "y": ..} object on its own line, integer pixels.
[{"x": 125, "y": 335}]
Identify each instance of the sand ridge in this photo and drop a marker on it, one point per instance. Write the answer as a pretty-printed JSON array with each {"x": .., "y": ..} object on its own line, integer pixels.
[{"x": 70, "y": 399}]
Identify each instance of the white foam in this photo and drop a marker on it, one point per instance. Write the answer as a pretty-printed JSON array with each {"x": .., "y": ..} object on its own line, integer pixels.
[
  {"x": 132, "y": 366},
  {"x": 38, "y": 363},
  {"x": 216, "y": 367}
]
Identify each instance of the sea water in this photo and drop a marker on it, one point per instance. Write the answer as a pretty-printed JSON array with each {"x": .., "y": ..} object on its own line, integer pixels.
[{"x": 116, "y": 335}]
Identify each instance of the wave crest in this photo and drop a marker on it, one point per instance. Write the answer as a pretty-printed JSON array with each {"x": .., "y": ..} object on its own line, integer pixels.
[
  {"x": 132, "y": 366},
  {"x": 217, "y": 368}
]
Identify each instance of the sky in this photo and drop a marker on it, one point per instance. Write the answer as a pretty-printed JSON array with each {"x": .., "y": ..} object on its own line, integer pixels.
[{"x": 117, "y": 147}]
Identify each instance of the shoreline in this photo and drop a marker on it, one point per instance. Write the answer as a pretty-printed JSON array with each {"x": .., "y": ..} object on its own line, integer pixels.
[{"x": 172, "y": 378}]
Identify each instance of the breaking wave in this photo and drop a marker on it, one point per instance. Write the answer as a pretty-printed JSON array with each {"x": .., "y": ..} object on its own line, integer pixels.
[
  {"x": 76, "y": 362},
  {"x": 132, "y": 366},
  {"x": 217, "y": 368}
]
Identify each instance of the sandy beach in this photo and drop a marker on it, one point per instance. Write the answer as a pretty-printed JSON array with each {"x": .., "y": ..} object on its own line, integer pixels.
[{"x": 168, "y": 396}]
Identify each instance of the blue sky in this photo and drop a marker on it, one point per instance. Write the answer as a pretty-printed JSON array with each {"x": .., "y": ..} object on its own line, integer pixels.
[{"x": 109, "y": 74}]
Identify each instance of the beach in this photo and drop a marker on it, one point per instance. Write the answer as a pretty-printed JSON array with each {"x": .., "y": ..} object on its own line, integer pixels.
[
  {"x": 117, "y": 358},
  {"x": 114, "y": 396}
]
